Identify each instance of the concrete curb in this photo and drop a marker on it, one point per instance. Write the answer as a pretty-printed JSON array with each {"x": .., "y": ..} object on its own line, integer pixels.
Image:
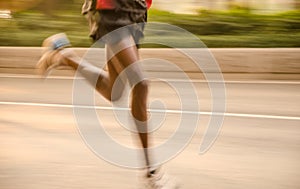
[{"x": 273, "y": 63}]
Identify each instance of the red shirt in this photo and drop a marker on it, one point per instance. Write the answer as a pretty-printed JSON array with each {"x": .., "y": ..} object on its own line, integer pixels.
[
  {"x": 105, "y": 4},
  {"x": 109, "y": 4},
  {"x": 149, "y": 3}
]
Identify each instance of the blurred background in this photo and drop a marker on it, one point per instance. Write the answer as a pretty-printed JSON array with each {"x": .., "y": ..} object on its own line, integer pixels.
[
  {"x": 258, "y": 146},
  {"x": 218, "y": 23}
]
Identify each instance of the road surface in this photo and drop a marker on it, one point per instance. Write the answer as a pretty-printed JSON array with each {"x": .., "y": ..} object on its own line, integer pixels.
[{"x": 258, "y": 145}]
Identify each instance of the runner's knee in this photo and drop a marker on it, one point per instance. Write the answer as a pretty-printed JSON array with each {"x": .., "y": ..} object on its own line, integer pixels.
[{"x": 141, "y": 87}]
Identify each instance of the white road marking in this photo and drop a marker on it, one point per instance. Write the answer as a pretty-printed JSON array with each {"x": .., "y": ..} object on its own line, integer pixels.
[
  {"x": 25, "y": 76},
  {"x": 294, "y": 82},
  {"x": 155, "y": 110}
]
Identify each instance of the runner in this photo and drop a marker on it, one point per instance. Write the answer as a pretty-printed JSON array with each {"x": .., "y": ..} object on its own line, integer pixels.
[{"x": 107, "y": 17}]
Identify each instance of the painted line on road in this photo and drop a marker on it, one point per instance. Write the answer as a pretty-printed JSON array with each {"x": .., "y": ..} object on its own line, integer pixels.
[
  {"x": 23, "y": 76},
  {"x": 154, "y": 110}
]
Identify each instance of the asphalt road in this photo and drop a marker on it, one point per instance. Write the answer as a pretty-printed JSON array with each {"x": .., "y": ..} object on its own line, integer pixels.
[{"x": 258, "y": 145}]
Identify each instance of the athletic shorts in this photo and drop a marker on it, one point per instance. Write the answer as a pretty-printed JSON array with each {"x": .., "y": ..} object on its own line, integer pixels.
[{"x": 113, "y": 25}]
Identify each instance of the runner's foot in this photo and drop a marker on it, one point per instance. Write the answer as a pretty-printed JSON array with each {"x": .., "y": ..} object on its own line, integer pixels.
[
  {"x": 50, "y": 60},
  {"x": 52, "y": 57},
  {"x": 56, "y": 42},
  {"x": 160, "y": 180}
]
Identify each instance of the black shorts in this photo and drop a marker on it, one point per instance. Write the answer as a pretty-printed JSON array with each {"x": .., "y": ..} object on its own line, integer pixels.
[{"x": 113, "y": 25}]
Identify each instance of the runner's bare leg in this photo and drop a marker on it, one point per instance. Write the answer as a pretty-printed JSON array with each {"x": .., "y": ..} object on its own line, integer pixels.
[
  {"x": 127, "y": 57},
  {"x": 105, "y": 80},
  {"x": 101, "y": 79}
]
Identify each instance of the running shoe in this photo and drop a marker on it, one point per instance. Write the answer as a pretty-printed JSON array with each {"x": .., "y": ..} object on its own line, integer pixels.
[
  {"x": 160, "y": 180},
  {"x": 52, "y": 58}
]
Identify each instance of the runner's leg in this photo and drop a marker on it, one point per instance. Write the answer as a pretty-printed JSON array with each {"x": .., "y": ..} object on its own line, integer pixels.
[
  {"x": 102, "y": 80},
  {"x": 127, "y": 55}
]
